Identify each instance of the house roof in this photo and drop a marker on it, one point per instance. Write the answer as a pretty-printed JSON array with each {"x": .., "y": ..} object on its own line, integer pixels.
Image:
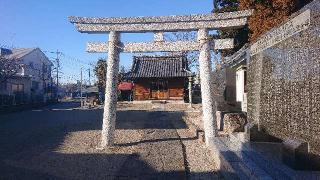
[
  {"x": 18, "y": 53},
  {"x": 237, "y": 58},
  {"x": 159, "y": 67}
]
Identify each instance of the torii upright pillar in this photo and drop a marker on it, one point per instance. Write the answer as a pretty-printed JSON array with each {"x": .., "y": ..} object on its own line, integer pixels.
[
  {"x": 208, "y": 104},
  {"x": 110, "y": 102}
]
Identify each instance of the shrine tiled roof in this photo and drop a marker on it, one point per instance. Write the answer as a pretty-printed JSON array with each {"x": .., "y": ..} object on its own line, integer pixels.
[{"x": 159, "y": 67}]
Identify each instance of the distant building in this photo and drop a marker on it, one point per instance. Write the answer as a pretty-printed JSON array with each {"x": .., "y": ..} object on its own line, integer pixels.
[
  {"x": 237, "y": 77},
  {"x": 159, "y": 77},
  {"x": 33, "y": 81},
  {"x": 125, "y": 91}
]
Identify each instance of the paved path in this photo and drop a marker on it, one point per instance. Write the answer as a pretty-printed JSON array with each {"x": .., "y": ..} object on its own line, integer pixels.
[{"x": 60, "y": 142}]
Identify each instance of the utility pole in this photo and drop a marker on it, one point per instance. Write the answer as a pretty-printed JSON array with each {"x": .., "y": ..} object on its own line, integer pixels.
[
  {"x": 81, "y": 88},
  {"x": 58, "y": 66},
  {"x": 57, "y": 70},
  {"x": 89, "y": 77}
]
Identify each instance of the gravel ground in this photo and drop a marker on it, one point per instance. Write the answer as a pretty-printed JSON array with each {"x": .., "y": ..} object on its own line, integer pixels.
[{"x": 60, "y": 142}]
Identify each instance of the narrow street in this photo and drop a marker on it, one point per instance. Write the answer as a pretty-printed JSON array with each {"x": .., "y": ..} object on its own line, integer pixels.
[{"x": 62, "y": 142}]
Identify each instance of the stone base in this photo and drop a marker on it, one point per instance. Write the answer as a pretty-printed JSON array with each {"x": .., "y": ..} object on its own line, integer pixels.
[
  {"x": 230, "y": 122},
  {"x": 219, "y": 118},
  {"x": 234, "y": 122},
  {"x": 201, "y": 136},
  {"x": 294, "y": 152},
  {"x": 158, "y": 101},
  {"x": 237, "y": 160},
  {"x": 296, "y": 155}
]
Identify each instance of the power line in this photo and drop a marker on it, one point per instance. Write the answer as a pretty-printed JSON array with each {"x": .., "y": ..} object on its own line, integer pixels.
[{"x": 75, "y": 59}]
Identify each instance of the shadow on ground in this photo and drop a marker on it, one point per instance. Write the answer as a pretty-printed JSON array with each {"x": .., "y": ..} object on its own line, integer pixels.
[
  {"x": 142, "y": 119},
  {"x": 30, "y": 139}
]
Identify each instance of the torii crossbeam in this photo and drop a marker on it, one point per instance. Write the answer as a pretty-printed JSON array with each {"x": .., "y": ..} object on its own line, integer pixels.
[
  {"x": 162, "y": 46},
  {"x": 201, "y": 23}
]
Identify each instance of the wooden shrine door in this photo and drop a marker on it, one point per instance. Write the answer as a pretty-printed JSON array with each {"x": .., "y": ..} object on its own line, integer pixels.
[{"x": 159, "y": 89}]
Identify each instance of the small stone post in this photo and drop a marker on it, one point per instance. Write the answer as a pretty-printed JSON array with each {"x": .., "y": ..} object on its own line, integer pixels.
[
  {"x": 208, "y": 104},
  {"x": 158, "y": 36},
  {"x": 110, "y": 103},
  {"x": 190, "y": 91}
]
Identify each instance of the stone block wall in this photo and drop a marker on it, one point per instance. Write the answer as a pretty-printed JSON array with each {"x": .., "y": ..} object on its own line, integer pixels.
[
  {"x": 254, "y": 88},
  {"x": 224, "y": 89},
  {"x": 284, "y": 81}
]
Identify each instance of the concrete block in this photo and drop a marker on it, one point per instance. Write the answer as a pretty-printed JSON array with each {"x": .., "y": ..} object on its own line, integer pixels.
[
  {"x": 201, "y": 136},
  {"x": 219, "y": 115},
  {"x": 295, "y": 153},
  {"x": 234, "y": 122}
]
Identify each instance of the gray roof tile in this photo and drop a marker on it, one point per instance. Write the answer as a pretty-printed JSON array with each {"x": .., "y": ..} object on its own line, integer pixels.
[{"x": 159, "y": 67}]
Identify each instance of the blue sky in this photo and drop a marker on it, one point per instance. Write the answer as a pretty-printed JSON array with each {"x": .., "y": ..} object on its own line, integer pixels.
[{"x": 44, "y": 24}]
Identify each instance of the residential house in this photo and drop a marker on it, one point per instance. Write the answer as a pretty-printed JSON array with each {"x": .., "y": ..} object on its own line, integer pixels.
[
  {"x": 33, "y": 80},
  {"x": 238, "y": 64}
]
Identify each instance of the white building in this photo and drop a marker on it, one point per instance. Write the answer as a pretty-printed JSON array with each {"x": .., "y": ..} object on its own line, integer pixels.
[
  {"x": 33, "y": 79},
  {"x": 238, "y": 63},
  {"x": 241, "y": 80}
]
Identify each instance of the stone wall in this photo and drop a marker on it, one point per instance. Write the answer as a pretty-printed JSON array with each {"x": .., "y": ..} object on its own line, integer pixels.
[
  {"x": 254, "y": 89},
  {"x": 284, "y": 79},
  {"x": 219, "y": 83},
  {"x": 224, "y": 89}
]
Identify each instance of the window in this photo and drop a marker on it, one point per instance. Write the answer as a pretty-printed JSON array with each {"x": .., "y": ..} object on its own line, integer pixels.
[
  {"x": 17, "y": 88},
  {"x": 35, "y": 85}
]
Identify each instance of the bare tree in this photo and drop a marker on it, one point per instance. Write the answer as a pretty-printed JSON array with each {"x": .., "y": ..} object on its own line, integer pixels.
[
  {"x": 192, "y": 56},
  {"x": 8, "y": 68},
  {"x": 123, "y": 73}
]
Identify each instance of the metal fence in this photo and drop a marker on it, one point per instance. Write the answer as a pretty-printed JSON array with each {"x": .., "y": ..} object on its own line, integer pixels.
[{"x": 12, "y": 100}]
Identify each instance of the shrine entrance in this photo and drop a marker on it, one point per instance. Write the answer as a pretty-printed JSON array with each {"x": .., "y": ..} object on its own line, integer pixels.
[
  {"x": 201, "y": 23},
  {"x": 159, "y": 89}
]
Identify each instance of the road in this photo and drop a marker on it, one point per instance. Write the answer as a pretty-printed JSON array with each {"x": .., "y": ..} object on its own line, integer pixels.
[{"x": 62, "y": 142}]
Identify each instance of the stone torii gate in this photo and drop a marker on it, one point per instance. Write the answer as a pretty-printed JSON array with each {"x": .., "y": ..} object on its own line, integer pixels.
[{"x": 201, "y": 23}]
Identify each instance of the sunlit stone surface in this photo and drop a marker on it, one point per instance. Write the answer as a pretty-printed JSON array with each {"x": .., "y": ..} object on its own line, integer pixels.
[
  {"x": 162, "y": 23},
  {"x": 161, "y": 46},
  {"x": 109, "y": 114},
  {"x": 161, "y": 19},
  {"x": 284, "y": 81},
  {"x": 208, "y": 103}
]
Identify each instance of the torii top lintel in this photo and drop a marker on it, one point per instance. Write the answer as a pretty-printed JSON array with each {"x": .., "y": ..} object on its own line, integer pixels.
[{"x": 162, "y": 23}]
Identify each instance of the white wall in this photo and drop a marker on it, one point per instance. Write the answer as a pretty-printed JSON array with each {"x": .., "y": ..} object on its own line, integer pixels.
[
  {"x": 38, "y": 67},
  {"x": 34, "y": 63},
  {"x": 240, "y": 88},
  {"x": 240, "y": 84}
]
